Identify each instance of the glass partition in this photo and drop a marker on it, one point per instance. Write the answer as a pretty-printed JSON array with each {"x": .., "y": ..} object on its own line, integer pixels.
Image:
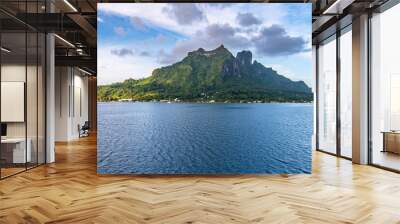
[
  {"x": 327, "y": 95},
  {"x": 385, "y": 89},
  {"x": 22, "y": 77},
  {"x": 13, "y": 94}
]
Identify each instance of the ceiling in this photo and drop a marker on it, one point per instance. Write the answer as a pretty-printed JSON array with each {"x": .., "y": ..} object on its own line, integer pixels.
[
  {"x": 331, "y": 15},
  {"x": 73, "y": 21}
]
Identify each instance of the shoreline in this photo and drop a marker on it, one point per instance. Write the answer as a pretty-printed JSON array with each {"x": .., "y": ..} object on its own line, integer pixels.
[{"x": 196, "y": 102}]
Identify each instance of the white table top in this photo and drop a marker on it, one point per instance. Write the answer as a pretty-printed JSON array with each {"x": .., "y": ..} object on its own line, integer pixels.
[
  {"x": 391, "y": 132},
  {"x": 13, "y": 140}
]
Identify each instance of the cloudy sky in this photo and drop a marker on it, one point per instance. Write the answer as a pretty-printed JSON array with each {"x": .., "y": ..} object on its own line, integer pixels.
[{"x": 136, "y": 38}]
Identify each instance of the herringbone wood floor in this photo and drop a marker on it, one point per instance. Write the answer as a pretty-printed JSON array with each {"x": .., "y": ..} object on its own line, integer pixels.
[{"x": 70, "y": 191}]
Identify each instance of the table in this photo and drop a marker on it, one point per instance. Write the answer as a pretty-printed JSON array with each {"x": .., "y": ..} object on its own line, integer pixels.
[
  {"x": 19, "y": 155},
  {"x": 391, "y": 141}
]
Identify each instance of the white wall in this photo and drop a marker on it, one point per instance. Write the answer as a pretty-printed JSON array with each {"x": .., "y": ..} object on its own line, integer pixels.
[
  {"x": 79, "y": 112},
  {"x": 17, "y": 73},
  {"x": 33, "y": 126},
  {"x": 71, "y": 102},
  {"x": 14, "y": 72},
  {"x": 62, "y": 82}
]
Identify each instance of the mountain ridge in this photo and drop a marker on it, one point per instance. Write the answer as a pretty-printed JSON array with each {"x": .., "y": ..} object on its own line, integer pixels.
[{"x": 215, "y": 75}]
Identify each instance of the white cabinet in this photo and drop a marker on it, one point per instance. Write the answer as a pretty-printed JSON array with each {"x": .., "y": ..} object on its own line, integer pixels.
[{"x": 19, "y": 154}]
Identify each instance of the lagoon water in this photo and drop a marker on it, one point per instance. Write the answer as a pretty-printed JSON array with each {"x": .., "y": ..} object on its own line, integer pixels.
[{"x": 194, "y": 138}]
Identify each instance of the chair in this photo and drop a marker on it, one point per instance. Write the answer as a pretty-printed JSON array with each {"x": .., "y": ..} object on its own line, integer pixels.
[{"x": 84, "y": 130}]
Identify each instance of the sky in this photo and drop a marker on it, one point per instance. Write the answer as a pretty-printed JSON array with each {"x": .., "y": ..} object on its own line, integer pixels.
[{"x": 136, "y": 38}]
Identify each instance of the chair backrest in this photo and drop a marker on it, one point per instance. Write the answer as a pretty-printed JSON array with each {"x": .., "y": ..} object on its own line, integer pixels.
[{"x": 86, "y": 125}]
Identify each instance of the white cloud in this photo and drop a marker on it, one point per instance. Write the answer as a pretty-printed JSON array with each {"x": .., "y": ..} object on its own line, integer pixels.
[
  {"x": 289, "y": 73},
  {"x": 185, "y": 14},
  {"x": 155, "y": 13},
  {"x": 113, "y": 68},
  {"x": 144, "y": 15}
]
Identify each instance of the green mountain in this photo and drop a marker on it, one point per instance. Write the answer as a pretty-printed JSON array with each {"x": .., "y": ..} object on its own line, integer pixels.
[{"x": 211, "y": 75}]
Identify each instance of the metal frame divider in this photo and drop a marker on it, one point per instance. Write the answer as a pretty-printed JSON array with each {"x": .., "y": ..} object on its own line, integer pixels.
[
  {"x": 369, "y": 78},
  {"x": 26, "y": 86},
  {"x": 37, "y": 91},
  {"x": 338, "y": 82},
  {"x": 317, "y": 97}
]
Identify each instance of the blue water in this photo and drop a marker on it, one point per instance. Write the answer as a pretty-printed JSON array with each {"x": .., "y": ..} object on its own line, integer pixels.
[{"x": 190, "y": 138}]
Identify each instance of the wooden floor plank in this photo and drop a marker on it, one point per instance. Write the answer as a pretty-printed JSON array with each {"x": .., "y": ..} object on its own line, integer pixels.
[{"x": 70, "y": 191}]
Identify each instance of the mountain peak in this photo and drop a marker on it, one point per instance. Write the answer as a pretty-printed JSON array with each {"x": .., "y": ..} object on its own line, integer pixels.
[
  {"x": 221, "y": 47},
  {"x": 244, "y": 57},
  {"x": 217, "y": 51}
]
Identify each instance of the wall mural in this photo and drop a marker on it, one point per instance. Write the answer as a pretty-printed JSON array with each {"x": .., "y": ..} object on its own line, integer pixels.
[{"x": 196, "y": 88}]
